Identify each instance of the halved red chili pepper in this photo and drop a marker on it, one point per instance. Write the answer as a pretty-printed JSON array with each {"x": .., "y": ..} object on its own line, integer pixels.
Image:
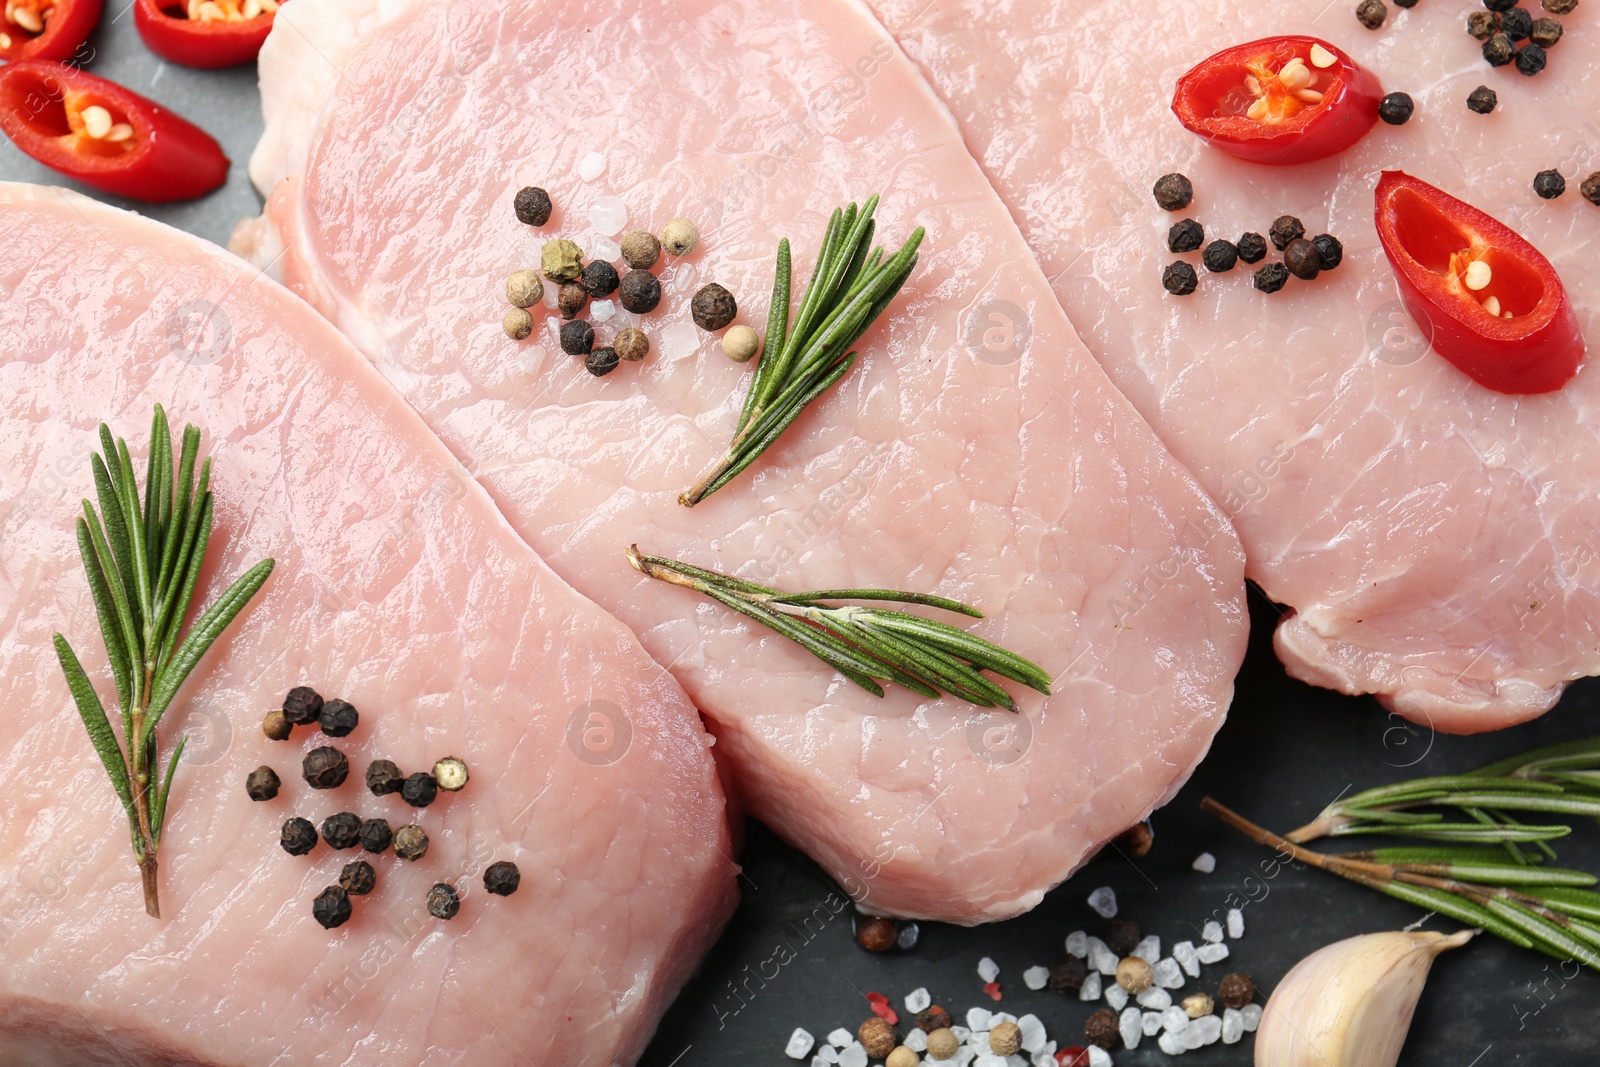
[
  {"x": 106, "y": 136},
  {"x": 1279, "y": 100},
  {"x": 1484, "y": 297},
  {"x": 46, "y": 29},
  {"x": 204, "y": 33}
]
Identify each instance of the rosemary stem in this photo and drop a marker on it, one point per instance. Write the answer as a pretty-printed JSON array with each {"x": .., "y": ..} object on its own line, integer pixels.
[
  {"x": 1262, "y": 836},
  {"x": 146, "y": 852}
]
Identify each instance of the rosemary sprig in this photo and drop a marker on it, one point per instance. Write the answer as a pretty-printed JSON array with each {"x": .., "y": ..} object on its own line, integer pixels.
[
  {"x": 868, "y": 645},
  {"x": 801, "y": 361},
  {"x": 143, "y": 564}
]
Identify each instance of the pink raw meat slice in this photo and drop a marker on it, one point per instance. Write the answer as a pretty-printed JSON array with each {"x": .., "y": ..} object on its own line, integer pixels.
[
  {"x": 398, "y": 587},
  {"x": 977, "y": 451},
  {"x": 1439, "y": 543}
]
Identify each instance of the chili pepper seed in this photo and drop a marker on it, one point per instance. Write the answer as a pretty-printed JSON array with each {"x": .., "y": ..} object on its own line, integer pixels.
[
  {"x": 1396, "y": 109},
  {"x": 358, "y": 878},
  {"x": 1371, "y": 13},
  {"x": 1482, "y": 100},
  {"x": 1252, "y": 247},
  {"x": 1329, "y": 250},
  {"x": 1590, "y": 189},
  {"x": 602, "y": 361},
  {"x": 1530, "y": 60},
  {"x": 640, "y": 250},
  {"x": 302, "y": 706},
  {"x": 410, "y": 843},
  {"x": 262, "y": 784},
  {"x": 1185, "y": 236},
  {"x": 419, "y": 790},
  {"x": 631, "y": 344},
  {"x": 1179, "y": 279},
  {"x": 1285, "y": 228},
  {"x": 1545, "y": 32},
  {"x": 1549, "y": 184},
  {"x": 502, "y": 878},
  {"x": 325, "y": 768},
  {"x": 332, "y": 907},
  {"x": 1270, "y": 278},
  {"x": 341, "y": 831},
  {"x": 375, "y": 835},
  {"x": 443, "y": 902},
  {"x": 338, "y": 718},
  {"x": 298, "y": 836},
  {"x": 451, "y": 774},
  {"x": 1498, "y": 50},
  {"x": 533, "y": 206},
  {"x": 639, "y": 291},
  {"x": 1220, "y": 257},
  {"x": 277, "y": 726},
  {"x": 1302, "y": 260},
  {"x": 383, "y": 777},
  {"x": 517, "y": 324},
  {"x": 713, "y": 307},
  {"x": 1173, "y": 192}
]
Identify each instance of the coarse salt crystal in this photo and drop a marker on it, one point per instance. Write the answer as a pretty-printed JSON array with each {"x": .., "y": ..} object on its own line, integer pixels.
[
  {"x": 827, "y": 1054},
  {"x": 1090, "y": 990},
  {"x": 1232, "y": 1026},
  {"x": 1131, "y": 1023},
  {"x": 603, "y": 248},
  {"x": 988, "y": 969},
  {"x": 1099, "y": 1057},
  {"x": 853, "y": 1055},
  {"x": 841, "y": 1037},
  {"x": 1172, "y": 1044},
  {"x": 990, "y": 1060},
  {"x": 917, "y": 1039},
  {"x": 818, "y": 1061},
  {"x": 1046, "y": 1057},
  {"x": 963, "y": 1035},
  {"x": 1185, "y": 954},
  {"x": 1078, "y": 944},
  {"x": 1036, "y": 977},
  {"x": 908, "y": 936},
  {"x": 1149, "y": 949},
  {"x": 1212, "y": 953},
  {"x": 1000, "y": 1017},
  {"x": 1168, "y": 974},
  {"x": 1212, "y": 931},
  {"x": 799, "y": 1045},
  {"x": 602, "y": 310},
  {"x": 918, "y": 1000},
  {"x": 1150, "y": 1023},
  {"x": 1155, "y": 998},
  {"x": 591, "y": 166},
  {"x": 1193, "y": 1036},
  {"x": 965, "y": 1055},
  {"x": 1250, "y": 1016},
  {"x": 978, "y": 1018},
  {"x": 681, "y": 277},
  {"x": 1205, "y": 863},
  {"x": 1210, "y": 1028},
  {"x": 608, "y": 214},
  {"x": 1116, "y": 996},
  {"x": 980, "y": 1042},
  {"x": 1104, "y": 902},
  {"x": 1101, "y": 958},
  {"x": 1174, "y": 1020},
  {"x": 1033, "y": 1033},
  {"x": 1235, "y": 923},
  {"x": 680, "y": 340}
]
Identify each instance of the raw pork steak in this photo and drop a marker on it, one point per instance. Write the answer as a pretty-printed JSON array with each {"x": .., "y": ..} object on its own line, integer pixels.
[
  {"x": 399, "y": 587},
  {"x": 977, "y": 451},
  {"x": 1439, "y": 543}
]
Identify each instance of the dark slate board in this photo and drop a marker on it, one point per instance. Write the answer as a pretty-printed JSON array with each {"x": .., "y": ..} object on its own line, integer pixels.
[{"x": 1286, "y": 750}]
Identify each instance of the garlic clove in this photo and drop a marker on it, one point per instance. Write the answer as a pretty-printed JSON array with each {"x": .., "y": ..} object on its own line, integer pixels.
[{"x": 1349, "y": 1004}]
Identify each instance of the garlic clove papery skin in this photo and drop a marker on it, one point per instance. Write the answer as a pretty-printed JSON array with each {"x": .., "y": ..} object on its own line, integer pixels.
[{"x": 1350, "y": 1003}]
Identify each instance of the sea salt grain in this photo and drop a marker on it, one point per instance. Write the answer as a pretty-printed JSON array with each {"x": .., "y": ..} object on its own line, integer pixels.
[
  {"x": 1116, "y": 996},
  {"x": 853, "y": 1055},
  {"x": 908, "y": 937},
  {"x": 1174, "y": 1020},
  {"x": 1090, "y": 990},
  {"x": 608, "y": 214},
  {"x": 1172, "y": 1044},
  {"x": 1209, "y": 1027},
  {"x": 680, "y": 340},
  {"x": 1099, "y": 1057},
  {"x": 1212, "y": 931},
  {"x": 918, "y": 1000},
  {"x": 1232, "y": 1026},
  {"x": 1235, "y": 923},
  {"x": 965, "y": 1055},
  {"x": 1168, "y": 975},
  {"x": 601, "y": 247},
  {"x": 1078, "y": 944},
  {"x": 1150, "y": 1023},
  {"x": 591, "y": 166},
  {"x": 1104, "y": 902},
  {"x": 1036, "y": 977},
  {"x": 841, "y": 1037},
  {"x": 988, "y": 969},
  {"x": 1132, "y": 1026},
  {"x": 1205, "y": 863},
  {"x": 602, "y": 310},
  {"x": 1033, "y": 1034},
  {"x": 1148, "y": 950},
  {"x": 978, "y": 1018},
  {"x": 1155, "y": 998},
  {"x": 917, "y": 1039},
  {"x": 1000, "y": 1017},
  {"x": 1250, "y": 1014},
  {"x": 799, "y": 1044},
  {"x": 1185, "y": 954},
  {"x": 827, "y": 1054},
  {"x": 1212, "y": 953},
  {"x": 1101, "y": 958}
]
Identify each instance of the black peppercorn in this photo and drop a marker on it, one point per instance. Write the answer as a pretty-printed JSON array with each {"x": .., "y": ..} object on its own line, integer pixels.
[
  {"x": 262, "y": 784},
  {"x": 302, "y": 706},
  {"x": 599, "y": 278},
  {"x": 577, "y": 337},
  {"x": 1405, "y": 3},
  {"x": 375, "y": 835},
  {"x": 1483, "y": 24},
  {"x": 1173, "y": 192},
  {"x": 410, "y": 843},
  {"x": 338, "y": 718},
  {"x": 877, "y": 934},
  {"x": 332, "y": 907},
  {"x": 1396, "y": 108},
  {"x": 639, "y": 291},
  {"x": 932, "y": 1018},
  {"x": 602, "y": 361},
  {"x": 299, "y": 836},
  {"x": 640, "y": 250},
  {"x": 325, "y": 768},
  {"x": 342, "y": 831},
  {"x": 1220, "y": 256},
  {"x": 1590, "y": 189},
  {"x": 1270, "y": 278},
  {"x": 1517, "y": 24},
  {"x": 1530, "y": 60},
  {"x": 1499, "y": 5},
  {"x": 443, "y": 903},
  {"x": 1371, "y": 13},
  {"x": 1498, "y": 50},
  {"x": 358, "y": 878},
  {"x": 1545, "y": 32},
  {"x": 1136, "y": 841},
  {"x": 1179, "y": 279},
  {"x": 419, "y": 790},
  {"x": 1252, "y": 247},
  {"x": 570, "y": 299},
  {"x": 383, "y": 777},
  {"x": 713, "y": 307},
  {"x": 1329, "y": 250},
  {"x": 1285, "y": 228},
  {"x": 533, "y": 206},
  {"x": 1301, "y": 259},
  {"x": 1559, "y": 7},
  {"x": 277, "y": 726},
  {"x": 1067, "y": 976},
  {"x": 1549, "y": 184},
  {"x": 1236, "y": 990},
  {"x": 502, "y": 878},
  {"x": 1482, "y": 100},
  {"x": 1101, "y": 1029},
  {"x": 1122, "y": 936},
  {"x": 1185, "y": 236}
]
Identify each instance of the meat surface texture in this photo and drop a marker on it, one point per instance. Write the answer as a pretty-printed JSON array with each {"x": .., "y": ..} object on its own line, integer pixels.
[
  {"x": 976, "y": 451},
  {"x": 398, "y": 587},
  {"x": 1438, "y": 543}
]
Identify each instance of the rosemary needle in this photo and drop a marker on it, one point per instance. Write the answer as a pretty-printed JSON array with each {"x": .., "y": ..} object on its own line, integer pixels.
[
  {"x": 143, "y": 565},
  {"x": 803, "y": 360},
  {"x": 868, "y": 645}
]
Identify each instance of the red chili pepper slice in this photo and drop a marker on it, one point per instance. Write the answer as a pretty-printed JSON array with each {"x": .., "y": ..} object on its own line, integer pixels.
[
  {"x": 1279, "y": 100},
  {"x": 204, "y": 33},
  {"x": 1485, "y": 298},
  {"x": 106, "y": 136},
  {"x": 46, "y": 29}
]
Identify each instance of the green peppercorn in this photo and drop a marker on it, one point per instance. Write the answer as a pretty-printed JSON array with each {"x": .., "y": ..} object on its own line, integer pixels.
[
  {"x": 1482, "y": 100},
  {"x": 1285, "y": 228},
  {"x": 1302, "y": 260},
  {"x": 1329, "y": 250},
  {"x": 599, "y": 279},
  {"x": 419, "y": 790},
  {"x": 1516, "y": 24},
  {"x": 1179, "y": 279},
  {"x": 1396, "y": 109},
  {"x": 1252, "y": 247},
  {"x": 570, "y": 299},
  {"x": 632, "y": 345},
  {"x": 332, "y": 907},
  {"x": 639, "y": 291},
  {"x": 1498, "y": 50},
  {"x": 1559, "y": 7},
  {"x": 298, "y": 837},
  {"x": 1185, "y": 236},
  {"x": 1545, "y": 32},
  {"x": 517, "y": 324},
  {"x": 713, "y": 307},
  {"x": 1173, "y": 192},
  {"x": 533, "y": 206},
  {"x": 601, "y": 362},
  {"x": 1371, "y": 13},
  {"x": 1549, "y": 184},
  {"x": 1483, "y": 24},
  {"x": 383, "y": 777},
  {"x": 410, "y": 843},
  {"x": 1590, "y": 189},
  {"x": 451, "y": 774},
  {"x": 375, "y": 835},
  {"x": 577, "y": 337},
  {"x": 524, "y": 289},
  {"x": 502, "y": 878},
  {"x": 1270, "y": 278},
  {"x": 358, "y": 878},
  {"x": 443, "y": 903},
  {"x": 338, "y": 718},
  {"x": 325, "y": 768},
  {"x": 640, "y": 250},
  {"x": 1530, "y": 60},
  {"x": 562, "y": 260},
  {"x": 277, "y": 726},
  {"x": 1220, "y": 256},
  {"x": 302, "y": 706},
  {"x": 342, "y": 831},
  {"x": 262, "y": 784}
]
